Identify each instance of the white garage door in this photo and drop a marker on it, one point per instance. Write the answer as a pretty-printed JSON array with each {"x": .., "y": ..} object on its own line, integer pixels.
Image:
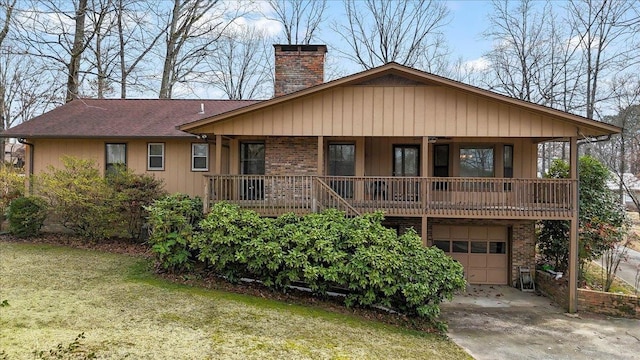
[{"x": 482, "y": 251}]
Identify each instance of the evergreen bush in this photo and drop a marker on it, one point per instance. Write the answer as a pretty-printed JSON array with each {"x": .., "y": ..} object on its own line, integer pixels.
[{"x": 26, "y": 216}]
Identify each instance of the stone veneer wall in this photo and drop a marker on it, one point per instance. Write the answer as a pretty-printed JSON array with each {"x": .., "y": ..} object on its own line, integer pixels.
[
  {"x": 523, "y": 239},
  {"x": 599, "y": 302}
]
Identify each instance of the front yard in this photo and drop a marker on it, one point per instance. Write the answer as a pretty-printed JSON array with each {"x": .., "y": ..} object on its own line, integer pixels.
[{"x": 54, "y": 293}]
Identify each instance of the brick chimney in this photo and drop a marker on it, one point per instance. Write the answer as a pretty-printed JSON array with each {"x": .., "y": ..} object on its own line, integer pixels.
[{"x": 298, "y": 67}]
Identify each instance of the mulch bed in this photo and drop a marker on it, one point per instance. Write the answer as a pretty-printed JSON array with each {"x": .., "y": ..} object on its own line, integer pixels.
[{"x": 209, "y": 280}]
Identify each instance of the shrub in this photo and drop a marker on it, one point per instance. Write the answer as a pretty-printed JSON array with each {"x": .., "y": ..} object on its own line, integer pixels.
[
  {"x": 328, "y": 250},
  {"x": 80, "y": 198},
  {"x": 225, "y": 233},
  {"x": 11, "y": 187},
  {"x": 26, "y": 216},
  {"x": 172, "y": 224},
  {"x": 133, "y": 193}
]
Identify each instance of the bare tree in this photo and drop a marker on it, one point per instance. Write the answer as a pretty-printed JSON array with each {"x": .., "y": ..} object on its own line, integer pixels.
[
  {"x": 58, "y": 35},
  {"x": 380, "y": 31},
  {"x": 240, "y": 67},
  {"x": 300, "y": 19},
  {"x": 135, "y": 41},
  {"x": 603, "y": 31},
  {"x": 194, "y": 27}
]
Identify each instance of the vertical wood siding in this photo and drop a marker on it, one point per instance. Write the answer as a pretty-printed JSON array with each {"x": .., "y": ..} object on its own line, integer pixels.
[{"x": 393, "y": 111}]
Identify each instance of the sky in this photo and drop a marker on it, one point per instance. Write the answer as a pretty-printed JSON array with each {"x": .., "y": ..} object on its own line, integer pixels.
[{"x": 468, "y": 19}]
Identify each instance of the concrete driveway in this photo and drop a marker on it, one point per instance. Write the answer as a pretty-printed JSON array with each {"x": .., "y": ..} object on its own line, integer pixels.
[{"x": 495, "y": 322}]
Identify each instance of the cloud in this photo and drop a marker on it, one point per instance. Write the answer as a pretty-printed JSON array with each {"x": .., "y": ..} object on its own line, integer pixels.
[{"x": 479, "y": 64}]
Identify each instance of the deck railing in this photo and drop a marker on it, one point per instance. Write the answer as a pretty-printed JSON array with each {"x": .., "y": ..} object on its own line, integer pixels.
[{"x": 405, "y": 196}]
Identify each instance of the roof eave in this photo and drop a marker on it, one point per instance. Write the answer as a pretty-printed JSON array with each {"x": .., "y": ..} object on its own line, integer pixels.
[{"x": 390, "y": 67}]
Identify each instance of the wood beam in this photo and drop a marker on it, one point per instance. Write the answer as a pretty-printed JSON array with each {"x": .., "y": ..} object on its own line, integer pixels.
[
  {"x": 320, "y": 155},
  {"x": 217, "y": 169},
  {"x": 573, "y": 229}
]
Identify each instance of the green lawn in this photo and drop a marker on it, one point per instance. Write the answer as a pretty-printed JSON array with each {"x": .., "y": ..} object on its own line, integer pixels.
[{"x": 55, "y": 293}]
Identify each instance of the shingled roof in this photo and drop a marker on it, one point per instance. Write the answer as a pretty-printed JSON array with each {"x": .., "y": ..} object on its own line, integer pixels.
[{"x": 114, "y": 118}]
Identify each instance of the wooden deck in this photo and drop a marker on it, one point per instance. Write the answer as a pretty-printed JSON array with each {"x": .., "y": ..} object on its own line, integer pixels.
[{"x": 502, "y": 198}]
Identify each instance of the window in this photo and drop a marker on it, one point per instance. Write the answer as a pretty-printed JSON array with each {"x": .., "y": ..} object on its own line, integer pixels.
[
  {"x": 342, "y": 162},
  {"x": 252, "y": 158},
  {"x": 478, "y": 247},
  {"x": 476, "y": 161},
  {"x": 497, "y": 247},
  {"x": 252, "y": 163},
  {"x": 155, "y": 156},
  {"x": 508, "y": 161},
  {"x": 406, "y": 160},
  {"x": 443, "y": 245},
  {"x": 441, "y": 160},
  {"x": 199, "y": 157},
  {"x": 342, "y": 159},
  {"x": 116, "y": 156}
]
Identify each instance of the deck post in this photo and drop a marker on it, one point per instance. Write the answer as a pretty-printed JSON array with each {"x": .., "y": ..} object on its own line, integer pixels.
[
  {"x": 424, "y": 233},
  {"x": 573, "y": 229},
  {"x": 207, "y": 195}
]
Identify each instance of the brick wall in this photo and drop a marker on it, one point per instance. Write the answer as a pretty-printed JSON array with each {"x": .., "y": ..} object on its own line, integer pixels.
[
  {"x": 556, "y": 290},
  {"x": 523, "y": 239},
  {"x": 298, "y": 67},
  {"x": 599, "y": 302},
  {"x": 404, "y": 223},
  {"x": 523, "y": 247},
  {"x": 291, "y": 156},
  {"x": 618, "y": 305}
]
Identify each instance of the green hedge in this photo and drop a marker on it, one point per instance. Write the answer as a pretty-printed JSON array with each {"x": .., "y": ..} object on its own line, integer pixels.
[
  {"x": 26, "y": 216},
  {"x": 325, "y": 251}
]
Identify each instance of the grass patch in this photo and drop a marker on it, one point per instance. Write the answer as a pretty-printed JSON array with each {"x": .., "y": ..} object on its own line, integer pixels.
[
  {"x": 55, "y": 293},
  {"x": 594, "y": 276}
]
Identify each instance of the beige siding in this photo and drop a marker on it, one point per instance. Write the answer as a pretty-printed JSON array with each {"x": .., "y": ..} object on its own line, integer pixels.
[
  {"x": 177, "y": 175},
  {"x": 393, "y": 111},
  {"x": 379, "y": 154}
]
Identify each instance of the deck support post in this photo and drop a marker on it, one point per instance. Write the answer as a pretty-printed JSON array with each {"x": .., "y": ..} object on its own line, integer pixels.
[
  {"x": 573, "y": 228},
  {"x": 424, "y": 232}
]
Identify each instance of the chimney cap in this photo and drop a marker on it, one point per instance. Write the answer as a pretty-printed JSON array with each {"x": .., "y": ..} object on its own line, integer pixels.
[{"x": 300, "y": 48}]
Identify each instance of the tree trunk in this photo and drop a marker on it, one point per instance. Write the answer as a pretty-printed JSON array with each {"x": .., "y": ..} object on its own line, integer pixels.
[{"x": 76, "y": 52}]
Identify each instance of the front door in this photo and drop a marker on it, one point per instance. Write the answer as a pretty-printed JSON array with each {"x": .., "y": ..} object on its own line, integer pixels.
[
  {"x": 252, "y": 163},
  {"x": 406, "y": 162}
]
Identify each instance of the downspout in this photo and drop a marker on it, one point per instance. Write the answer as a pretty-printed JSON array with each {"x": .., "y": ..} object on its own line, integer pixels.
[
  {"x": 573, "y": 290},
  {"x": 30, "y": 170}
]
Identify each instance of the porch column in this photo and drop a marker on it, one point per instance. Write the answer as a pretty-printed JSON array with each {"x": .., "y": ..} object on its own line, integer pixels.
[
  {"x": 234, "y": 157},
  {"x": 424, "y": 173},
  {"x": 360, "y": 167},
  {"x": 320, "y": 155},
  {"x": 218, "y": 165},
  {"x": 573, "y": 228}
]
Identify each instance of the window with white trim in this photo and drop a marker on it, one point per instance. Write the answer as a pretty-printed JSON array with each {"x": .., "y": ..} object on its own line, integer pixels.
[
  {"x": 155, "y": 156},
  {"x": 200, "y": 157}
]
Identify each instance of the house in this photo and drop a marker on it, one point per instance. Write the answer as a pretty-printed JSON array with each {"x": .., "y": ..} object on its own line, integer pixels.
[
  {"x": 455, "y": 162},
  {"x": 14, "y": 154}
]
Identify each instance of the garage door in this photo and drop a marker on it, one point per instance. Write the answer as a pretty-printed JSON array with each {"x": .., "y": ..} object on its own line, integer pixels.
[{"x": 482, "y": 251}]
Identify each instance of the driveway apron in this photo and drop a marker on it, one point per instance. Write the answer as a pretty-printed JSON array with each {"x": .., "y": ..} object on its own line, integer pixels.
[{"x": 500, "y": 322}]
